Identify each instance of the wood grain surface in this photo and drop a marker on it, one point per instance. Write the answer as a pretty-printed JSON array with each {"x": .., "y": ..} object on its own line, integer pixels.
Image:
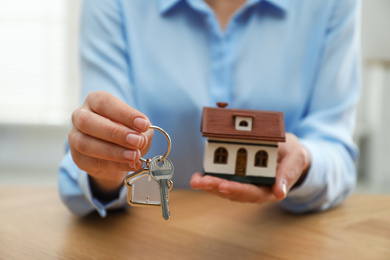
[{"x": 34, "y": 224}]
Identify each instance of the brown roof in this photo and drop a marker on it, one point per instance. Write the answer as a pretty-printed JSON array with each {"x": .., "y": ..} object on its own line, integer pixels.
[{"x": 266, "y": 125}]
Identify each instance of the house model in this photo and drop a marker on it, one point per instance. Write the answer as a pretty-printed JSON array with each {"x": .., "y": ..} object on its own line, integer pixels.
[{"x": 242, "y": 145}]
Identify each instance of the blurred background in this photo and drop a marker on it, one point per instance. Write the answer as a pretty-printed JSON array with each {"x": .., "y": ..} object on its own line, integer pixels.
[{"x": 39, "y": 81}]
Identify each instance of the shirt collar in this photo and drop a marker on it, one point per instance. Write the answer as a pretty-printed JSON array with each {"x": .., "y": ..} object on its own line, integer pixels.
[
  {"x": 166, "y": 5},
  {"x": 281, "y": 4}
]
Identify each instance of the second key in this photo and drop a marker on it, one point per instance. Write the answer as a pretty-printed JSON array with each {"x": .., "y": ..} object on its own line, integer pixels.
[{"x": 162, "y": 172}]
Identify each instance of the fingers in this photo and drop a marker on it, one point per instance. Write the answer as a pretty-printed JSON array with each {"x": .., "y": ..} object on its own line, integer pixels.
[
  {"x": 232, "y": 190},
  {"x": 246, "y": 192},
  {"x": 108, "y": 135},
  {"x": 108, "y": 106},
  {"x": 101, "y": 168},
  {"x": 103, "y": 128},
  {"x": 101, "y": 149},
  {"x": 200, "y": 182},
  {"x": 206, "y": 183}
]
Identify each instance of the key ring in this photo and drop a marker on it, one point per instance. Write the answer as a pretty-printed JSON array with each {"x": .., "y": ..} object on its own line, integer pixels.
[{"x": 146, "y": 161}]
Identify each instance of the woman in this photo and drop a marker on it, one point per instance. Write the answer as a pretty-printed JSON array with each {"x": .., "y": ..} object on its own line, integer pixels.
[{"x": 159, "y": 62}]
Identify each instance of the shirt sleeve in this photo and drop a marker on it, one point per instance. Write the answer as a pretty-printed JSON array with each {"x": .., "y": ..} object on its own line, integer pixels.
[
  {"x": 76, "y": 194},
  {"x": 327, "y": 128},
  {"x": 104, "y": 67}
]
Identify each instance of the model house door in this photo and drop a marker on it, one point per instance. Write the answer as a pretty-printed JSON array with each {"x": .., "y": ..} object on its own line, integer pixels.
[{"x": 241, "y": 162}]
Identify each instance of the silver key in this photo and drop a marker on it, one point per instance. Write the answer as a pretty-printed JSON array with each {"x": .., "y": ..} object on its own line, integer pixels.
[{"x": 162, "y": 171}]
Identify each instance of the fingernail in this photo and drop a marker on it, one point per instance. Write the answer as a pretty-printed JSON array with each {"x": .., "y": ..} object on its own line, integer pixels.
[
  {"x": 134, "y": 140},
  {"x": 140, "y": 123},
  {"x": 284, "y": 188},
  {"x": 135, "y": 165},
  {"x": 130, "y": 155},
  {"x": 207, "y": 188},
  {"x": 224, "y": 191},
  {"x": 144, "y": 141}
]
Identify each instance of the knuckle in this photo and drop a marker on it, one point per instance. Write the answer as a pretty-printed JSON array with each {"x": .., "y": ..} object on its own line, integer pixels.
[
  {"x": 80, "y": 144},
  {"x": 75, "y": 156},
  {"x": 114, "y": 131},
  {"x": 100, "y": 163},
  {"x": 74, "y": 116},
  {"x": 73, "y": 137},
  {"x": 101, "y": 103},
  {"x": 111, "y": 155},
  {"x": 81, "y": 119},
  {"x": 124, "y": 113},
  {"x": 98, "y": 100},
  {"x": 80, "y": 160},
  {"x": 92, "y": 96},
  {"x": 71, "y": 134}
]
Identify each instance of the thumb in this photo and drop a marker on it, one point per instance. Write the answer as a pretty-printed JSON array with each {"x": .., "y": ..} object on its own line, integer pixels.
[{"x": 279, "y": 189}]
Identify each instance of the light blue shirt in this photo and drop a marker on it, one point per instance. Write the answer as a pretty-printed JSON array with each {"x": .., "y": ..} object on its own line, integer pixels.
[{"x": 169, "y": 58}]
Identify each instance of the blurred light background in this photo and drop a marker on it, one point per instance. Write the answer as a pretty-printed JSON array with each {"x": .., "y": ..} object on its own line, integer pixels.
[{"x": 39, "y": 89}]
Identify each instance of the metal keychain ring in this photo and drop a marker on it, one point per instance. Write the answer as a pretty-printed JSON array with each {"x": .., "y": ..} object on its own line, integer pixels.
[{"x": 169, "y": 144}]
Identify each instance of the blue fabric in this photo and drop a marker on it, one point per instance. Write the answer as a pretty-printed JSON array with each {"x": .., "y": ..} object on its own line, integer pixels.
[{"x": 169, "y": 58}]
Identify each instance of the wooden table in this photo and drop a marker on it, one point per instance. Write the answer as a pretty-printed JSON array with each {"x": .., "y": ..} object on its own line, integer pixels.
[{"x": 34, "y": 224}]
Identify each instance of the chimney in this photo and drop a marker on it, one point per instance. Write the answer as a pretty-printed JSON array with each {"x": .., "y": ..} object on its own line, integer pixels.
[{"x": 222, "y": 104}]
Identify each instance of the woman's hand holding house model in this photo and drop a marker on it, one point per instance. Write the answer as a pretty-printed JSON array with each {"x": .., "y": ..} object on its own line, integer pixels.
[{"x": 293, "y": 164}]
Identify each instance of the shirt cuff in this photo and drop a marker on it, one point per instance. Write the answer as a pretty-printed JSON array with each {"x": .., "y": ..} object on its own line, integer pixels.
[{"x": 101, "y": 207}]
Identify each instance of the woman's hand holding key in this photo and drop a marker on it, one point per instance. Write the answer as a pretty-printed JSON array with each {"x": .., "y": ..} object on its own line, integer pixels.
[{"x": 107, "y": 140}]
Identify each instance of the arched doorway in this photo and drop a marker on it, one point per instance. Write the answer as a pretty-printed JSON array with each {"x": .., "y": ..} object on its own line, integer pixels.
[{"x": 241, "y": 162}]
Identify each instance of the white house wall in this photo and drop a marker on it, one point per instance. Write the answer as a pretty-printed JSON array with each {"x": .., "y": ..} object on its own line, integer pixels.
[{"x": 229, "y": 168}]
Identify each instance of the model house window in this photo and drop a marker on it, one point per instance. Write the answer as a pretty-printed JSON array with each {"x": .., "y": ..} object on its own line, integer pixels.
[
  {"x": 261, "y": 159},
  {"x": 243, "y": 123},
  {"x": 221, "y": 156}
]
